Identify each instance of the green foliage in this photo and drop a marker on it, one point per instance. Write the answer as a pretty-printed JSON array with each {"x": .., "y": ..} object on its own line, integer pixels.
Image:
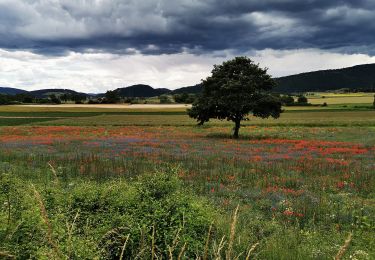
[
  {"x": 135, "y": 100},
  {"x": 54, "y": 99},
  {"x": 21, "y": 229},
  {"x": 87, "y": 219},
  {"x": 287, "y": 100},
  {"x": 235, "y": 89},
  {"x": 14, "y": 99},
  {"x": 78, "y": 98},
  {"x": 164, "y": 99},
  {"x": 302, "y": 100},
  {"x": 184, "y": 98},
  {"x": 111, "y": 97},
  {"x": 4, "y": 99},
  {"x": 356, "y": 79}
]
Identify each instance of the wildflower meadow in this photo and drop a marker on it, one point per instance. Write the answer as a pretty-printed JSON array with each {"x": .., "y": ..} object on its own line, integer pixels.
[{"x": 182, "y": 191}]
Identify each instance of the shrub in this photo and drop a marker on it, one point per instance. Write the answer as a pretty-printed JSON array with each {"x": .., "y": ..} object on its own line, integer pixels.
[
  {"x": 164, "y": 99},
  {"x": 287, "y": 100},
  {"x": 154, "y": 214}
]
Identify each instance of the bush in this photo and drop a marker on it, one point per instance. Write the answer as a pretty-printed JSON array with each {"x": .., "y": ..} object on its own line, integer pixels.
[
  {"x": 90, "y": 219},
  {"x": 287, "y": 100},
  {"x": 164, "y": 99},
  {"x": 156, "y": 211},
  {"x": 184, "y": 98}
]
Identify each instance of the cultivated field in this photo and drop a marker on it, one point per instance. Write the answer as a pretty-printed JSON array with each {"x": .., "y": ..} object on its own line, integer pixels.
[
  {"x": 115, "y": 183},
  {"x": 345, "y": 98}
]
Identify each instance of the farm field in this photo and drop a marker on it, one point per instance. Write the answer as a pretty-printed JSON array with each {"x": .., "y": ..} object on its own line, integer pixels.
[
  {"x": 78, "y": 183},
  {"x": 345, "y": 98}
]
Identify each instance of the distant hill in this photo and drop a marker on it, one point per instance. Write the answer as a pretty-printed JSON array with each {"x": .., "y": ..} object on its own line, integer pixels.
[
  {"x": 11, "y": 91},
  {"x": 360, "y": 77},
  {"x": 190, "y": 90},
  {"x": 357, "y": 78},
  {"x": 141, "y": 90},
  {"x": 44, "y": 93}
]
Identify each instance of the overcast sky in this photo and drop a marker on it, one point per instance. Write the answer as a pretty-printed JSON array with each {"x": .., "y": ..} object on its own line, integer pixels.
[{"x": 96, "y": 45}]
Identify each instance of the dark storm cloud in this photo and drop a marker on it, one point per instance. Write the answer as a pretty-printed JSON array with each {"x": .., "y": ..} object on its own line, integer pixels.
[{"x": 169, "y": 26}]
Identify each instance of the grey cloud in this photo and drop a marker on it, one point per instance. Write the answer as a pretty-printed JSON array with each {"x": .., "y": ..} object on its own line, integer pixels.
[{"x": 55, "y": 27}]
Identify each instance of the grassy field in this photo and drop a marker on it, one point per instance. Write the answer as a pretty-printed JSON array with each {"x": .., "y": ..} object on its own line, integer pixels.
[
  {"x": 338, "y": 114},
  {"x": 345, "y": 98},
  {"x": 107, "y": 183}
]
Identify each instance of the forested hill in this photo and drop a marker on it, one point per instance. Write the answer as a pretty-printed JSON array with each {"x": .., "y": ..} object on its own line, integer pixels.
[
  {"x": 360, "y": 78},
  {"x": 191, "y": 89},
  {"x": 44, "y": 93},
  {"x": 11, "y": 91},
  {"x": 141, "y": 90}
]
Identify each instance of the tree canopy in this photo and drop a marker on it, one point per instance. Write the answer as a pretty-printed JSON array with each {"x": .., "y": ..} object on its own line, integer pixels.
[{"x": 235, "y": 89}]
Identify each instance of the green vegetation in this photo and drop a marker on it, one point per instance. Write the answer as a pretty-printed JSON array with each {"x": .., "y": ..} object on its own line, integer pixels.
[
  {"x": 23, "y": 121},
  {"x": 353, "y": 79},
  {"x": 86, "y": 219},
  {"x": 184, "y": 98},
  {"x": 235, "y": 89},
  {"x": 164, "y": 99},
  {"x": 107, "y": 183}
]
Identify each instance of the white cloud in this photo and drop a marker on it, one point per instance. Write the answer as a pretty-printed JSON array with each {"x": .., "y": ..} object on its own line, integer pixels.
[
  {"x": 98, "y": 72},
  {"x": 287, "y": 62}
]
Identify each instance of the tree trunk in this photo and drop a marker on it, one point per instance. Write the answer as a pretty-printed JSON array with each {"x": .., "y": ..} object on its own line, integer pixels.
[{"x": 236, "y": 128}]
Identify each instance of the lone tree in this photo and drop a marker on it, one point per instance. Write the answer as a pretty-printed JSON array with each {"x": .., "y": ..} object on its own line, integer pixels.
[{"x": 235, "y": 89}]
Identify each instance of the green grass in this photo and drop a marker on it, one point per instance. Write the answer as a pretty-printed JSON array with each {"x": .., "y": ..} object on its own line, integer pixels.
[
  {"x": 94, "y": 108},
  {"x": 303, "y": 183},
  {"x": 316, "y": 118},
  {"x": 87, "y": 114},
  {"x": 288, "y": 118},
  {"x": 23, "y": 121}
]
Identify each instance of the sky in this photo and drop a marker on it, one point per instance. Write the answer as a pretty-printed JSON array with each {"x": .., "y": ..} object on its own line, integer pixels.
[{"x": 96, "y": 45}]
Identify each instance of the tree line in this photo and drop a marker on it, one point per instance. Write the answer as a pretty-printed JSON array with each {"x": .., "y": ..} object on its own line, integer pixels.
[{"x": 110, "y": 97}]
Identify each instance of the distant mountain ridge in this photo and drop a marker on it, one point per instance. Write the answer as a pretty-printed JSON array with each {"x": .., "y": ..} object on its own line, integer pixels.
[
  {"x": 141, "y": 90},
  {"x": 11, "y": 91},
  {"x": 360, "y": 77},
  {"x": 190, "y": 90},
  {"x": 44, "y": 93}
]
